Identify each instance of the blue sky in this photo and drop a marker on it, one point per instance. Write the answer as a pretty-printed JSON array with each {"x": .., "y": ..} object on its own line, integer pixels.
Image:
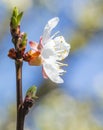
[{"x": 84, "y": 66}]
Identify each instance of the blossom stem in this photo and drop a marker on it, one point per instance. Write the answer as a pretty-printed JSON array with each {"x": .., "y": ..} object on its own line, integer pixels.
[{"x": 20, "y": 115}]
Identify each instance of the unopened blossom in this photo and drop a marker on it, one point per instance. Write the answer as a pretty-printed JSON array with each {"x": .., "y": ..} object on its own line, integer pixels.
[{"x": 49, "y": 52}]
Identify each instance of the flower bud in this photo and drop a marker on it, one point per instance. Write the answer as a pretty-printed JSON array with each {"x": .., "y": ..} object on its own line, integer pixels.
[{"x": 29, "y": 98}]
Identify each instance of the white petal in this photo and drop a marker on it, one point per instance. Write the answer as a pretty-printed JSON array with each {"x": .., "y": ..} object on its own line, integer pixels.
[
  {"x": 52, "y": 23},
  {"x": 48, "y": 28},
  {"x": 47, "y": 53},
  {"x": 61, "y": 47},
  {"x": 52, "y": 72},
  {"x": 48, "y": 50}
]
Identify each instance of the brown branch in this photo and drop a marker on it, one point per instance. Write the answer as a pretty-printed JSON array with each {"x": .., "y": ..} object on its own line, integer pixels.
[
  {"x": 20, "y": 115},
  {"x": 19, "y": 40}
]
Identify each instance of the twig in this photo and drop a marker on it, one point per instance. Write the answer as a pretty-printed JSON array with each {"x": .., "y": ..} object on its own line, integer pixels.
[{"x": 20, "y": 115}]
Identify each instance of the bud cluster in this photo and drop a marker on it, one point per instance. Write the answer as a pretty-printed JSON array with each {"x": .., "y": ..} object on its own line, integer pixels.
[{"x": 19, "y": 38}]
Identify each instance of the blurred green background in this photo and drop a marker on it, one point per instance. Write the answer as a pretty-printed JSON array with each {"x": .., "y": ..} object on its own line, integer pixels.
[{"x": 78, "y": 102}]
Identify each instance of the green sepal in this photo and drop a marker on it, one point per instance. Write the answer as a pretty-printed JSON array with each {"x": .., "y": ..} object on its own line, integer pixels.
[
  {"x": 19, "y": 17},
  {"x": 31, "y": 92}
]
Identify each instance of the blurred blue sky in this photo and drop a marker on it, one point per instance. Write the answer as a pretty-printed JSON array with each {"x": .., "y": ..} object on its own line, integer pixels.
[{"x": 85, "y": 71}]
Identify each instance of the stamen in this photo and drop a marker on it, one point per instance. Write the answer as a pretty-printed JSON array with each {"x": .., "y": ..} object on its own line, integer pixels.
[
  {"x": 55, "y": 34},
  {"x": 60, "y": 51},
  {"x": 61, "y": 64},
  {"x": 61, "y": 73}
]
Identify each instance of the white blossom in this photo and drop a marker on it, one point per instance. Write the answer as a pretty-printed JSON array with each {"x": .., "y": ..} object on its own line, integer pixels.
[{"x": 52, "y": 50}]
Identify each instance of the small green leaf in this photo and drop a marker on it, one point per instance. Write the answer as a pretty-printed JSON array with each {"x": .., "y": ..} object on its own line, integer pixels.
[
  {"x": 15, "y": 12},
  {"x": 19, "y": 17},
  {"x": 31, "y": 92},
  {"x": 24, "y": 43},
  {"x": 16, "y": 17},
  {"x": 14, "y": 21},
  {"x": 24, "y": 39}
]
